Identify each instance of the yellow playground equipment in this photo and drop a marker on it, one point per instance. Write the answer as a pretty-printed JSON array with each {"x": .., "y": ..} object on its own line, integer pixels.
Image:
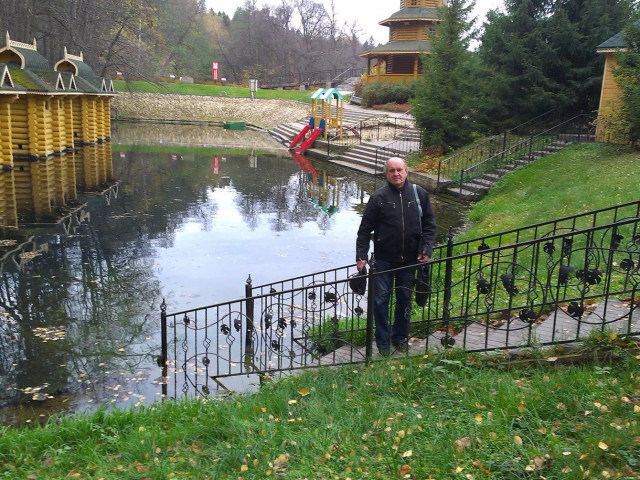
[{"x": 327, "y": 108}]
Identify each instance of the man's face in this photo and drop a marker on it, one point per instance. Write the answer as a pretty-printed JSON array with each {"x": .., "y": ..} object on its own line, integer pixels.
[{"x": 396, "y": 173}]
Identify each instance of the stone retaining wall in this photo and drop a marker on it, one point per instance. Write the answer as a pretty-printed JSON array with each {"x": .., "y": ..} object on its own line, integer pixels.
[{"x": 264, "y": 113}]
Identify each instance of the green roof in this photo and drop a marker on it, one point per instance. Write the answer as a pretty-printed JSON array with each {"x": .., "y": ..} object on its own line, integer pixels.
[
  {"x": 617, "y": 41},
  {"x": 30, "y": 81},
  {"x": 413, "y": 13},
  {"x": 32, "y": 59},
  {"x": 403, "y": 46}
]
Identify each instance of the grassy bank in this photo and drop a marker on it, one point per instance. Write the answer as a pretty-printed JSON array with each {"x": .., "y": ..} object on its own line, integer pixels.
[
  {"x": 453, "y": 416},
  {"x": 209, "y": 90}
]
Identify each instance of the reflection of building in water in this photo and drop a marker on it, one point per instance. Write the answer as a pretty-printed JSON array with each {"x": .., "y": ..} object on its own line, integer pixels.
[{"x": 44, "y": 115}]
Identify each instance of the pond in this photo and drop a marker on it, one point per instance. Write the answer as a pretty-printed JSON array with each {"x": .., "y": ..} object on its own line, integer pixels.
[{"x": 79, "y": 312}]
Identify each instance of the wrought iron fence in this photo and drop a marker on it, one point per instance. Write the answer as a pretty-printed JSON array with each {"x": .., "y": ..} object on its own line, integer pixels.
[
  {"x": 547, "y": 284},
  {"x": 577, "y": 129},
  {"x": 511, "y": 144}
]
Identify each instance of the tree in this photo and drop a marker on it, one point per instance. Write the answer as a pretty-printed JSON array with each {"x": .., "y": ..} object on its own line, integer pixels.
[
  {"x": 627, "y": 76},
  {"x": 442, "y": 103},
  {"x": 541, "y": 55}
]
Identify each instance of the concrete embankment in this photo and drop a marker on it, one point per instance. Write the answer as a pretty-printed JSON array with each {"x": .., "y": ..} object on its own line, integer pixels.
[{"x": 262, "y": 113}]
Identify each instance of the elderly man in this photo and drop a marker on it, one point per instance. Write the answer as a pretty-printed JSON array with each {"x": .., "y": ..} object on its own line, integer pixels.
[{"x": 401, "y": 218}]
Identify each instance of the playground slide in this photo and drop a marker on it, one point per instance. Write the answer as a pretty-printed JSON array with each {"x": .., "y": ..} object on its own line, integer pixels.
[
  {"x": 309, "y": 141},
  {"x": 299, "y": 136}
]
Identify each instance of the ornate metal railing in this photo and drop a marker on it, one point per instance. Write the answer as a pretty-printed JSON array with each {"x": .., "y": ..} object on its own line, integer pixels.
[
  {"x": 546, "y": 284},
  {"x": 505, "y": 148}
]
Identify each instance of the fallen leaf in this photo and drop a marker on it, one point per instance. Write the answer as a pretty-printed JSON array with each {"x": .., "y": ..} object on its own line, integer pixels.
[
  {"x": 303, "y": 392},
  {"x": 603, "y": 446},
  {"x": 517, "y": 440}
]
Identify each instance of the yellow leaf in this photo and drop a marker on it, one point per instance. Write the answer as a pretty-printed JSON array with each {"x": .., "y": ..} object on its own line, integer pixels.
[
  {"x": 603, "y": 446},
  {"x": 292, "y": 401},
  {"x": 478, "y": 419},
  {"x": 517, "y": 440},
  {"x": 303, "y": 392},
  {"x": 408, "y": 453},
  {"x": 244, "y": 468}
]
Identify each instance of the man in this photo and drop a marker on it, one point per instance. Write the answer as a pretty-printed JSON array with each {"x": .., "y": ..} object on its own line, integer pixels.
[{"x": 401, "y": 237}]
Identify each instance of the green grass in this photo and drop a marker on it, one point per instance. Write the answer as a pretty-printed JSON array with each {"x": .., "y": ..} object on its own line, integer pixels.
[
  {"x": 427, "y": 417},
  {"x": 576, "y": 179},
  {"x": 210, "y": 90}
]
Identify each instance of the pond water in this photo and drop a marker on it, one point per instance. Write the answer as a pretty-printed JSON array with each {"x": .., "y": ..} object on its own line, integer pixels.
[{"x": 80, "y": 316}]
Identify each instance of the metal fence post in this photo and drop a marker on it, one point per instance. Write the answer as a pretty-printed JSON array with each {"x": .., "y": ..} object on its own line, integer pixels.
[
  {"x": 370, "y": 320},
  {"x": 164, "y": 346},
  {"x": 446, "y": 300},
  {"x": 249, "y": 328}
]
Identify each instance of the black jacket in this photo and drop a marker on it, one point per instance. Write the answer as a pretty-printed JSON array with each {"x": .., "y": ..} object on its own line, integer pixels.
[{"x": 392, "y": 216}]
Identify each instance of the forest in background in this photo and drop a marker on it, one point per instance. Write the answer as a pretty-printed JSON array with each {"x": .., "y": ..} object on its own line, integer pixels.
[{"x": 151, "y": 39}]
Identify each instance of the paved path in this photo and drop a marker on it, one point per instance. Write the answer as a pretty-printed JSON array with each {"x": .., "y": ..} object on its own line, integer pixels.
[{"x": 609, "y": 316}]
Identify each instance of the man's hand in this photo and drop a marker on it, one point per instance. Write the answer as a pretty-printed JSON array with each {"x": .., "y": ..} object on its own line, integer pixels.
[
  {"x": 360, "y": 264},
  {"x": 422, "y": 258}
]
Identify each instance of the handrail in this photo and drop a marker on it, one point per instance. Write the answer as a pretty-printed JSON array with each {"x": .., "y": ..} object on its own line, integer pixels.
[{"x": 487, "y": 143}]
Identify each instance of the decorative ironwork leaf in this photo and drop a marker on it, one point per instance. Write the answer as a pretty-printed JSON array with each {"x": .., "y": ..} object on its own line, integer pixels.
[
  {"x": 447, "y": 341},
  {"x": 205, "y": 390},
  {"x": 358, "y": 311},
  {"x": 275, "y": 344},
  {"x": 206, "y": 361},
  {"x": 483, "y": 285},
  {"x": 483, "y": 246},
  {"x": 567, "y": 243},
  {"x": 334, "y": 321},
  {"x": 282, "y": 323},
  {"x": 563, "y": 274},
  {"x": 237, "y": 324},
  {"x": 312, "y": 295},
  {"x": 575, "y": 310},
  {"x": 267, "y": 320},
  {"x": 273, "y": 291},
  {"x": 330, "y": 297},
  {"x": 224, "y": 328},
  {"x": 615, "y": 240},
  {"x": 590, "y": 277},
  {"x": 549, "y": 248},
  {"x": 627, "y": 264},
  {"x": 186, "y": 320},
  {"x": 528, "y": 316},
  {"x": 508, "y": 283}
]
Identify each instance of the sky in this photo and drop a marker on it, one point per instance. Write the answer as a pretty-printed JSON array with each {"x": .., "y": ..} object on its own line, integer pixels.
[{"x": 367, "y": 12}]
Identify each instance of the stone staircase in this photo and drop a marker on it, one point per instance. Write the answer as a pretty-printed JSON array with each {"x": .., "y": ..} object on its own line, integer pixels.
[{"x": 477, "y": 187}]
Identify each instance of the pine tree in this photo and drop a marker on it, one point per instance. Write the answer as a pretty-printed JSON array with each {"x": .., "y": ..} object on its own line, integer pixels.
[
  {"x": 628, "y": 78},
  {"x": 442, "y": 102}
]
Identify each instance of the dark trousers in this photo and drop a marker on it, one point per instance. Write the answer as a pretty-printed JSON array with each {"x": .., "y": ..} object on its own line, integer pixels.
[{"x": 397, "y": 333}]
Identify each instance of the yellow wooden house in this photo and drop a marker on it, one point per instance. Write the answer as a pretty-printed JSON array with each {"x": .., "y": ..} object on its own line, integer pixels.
[
  {"x": 44, "y": 114},
  {"x": 610, "y": 92},
  {"x": 410, "y": 30}
]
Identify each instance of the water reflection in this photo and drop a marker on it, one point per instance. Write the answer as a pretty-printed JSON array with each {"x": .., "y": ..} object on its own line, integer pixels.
[{"x": 79, "y": 301}]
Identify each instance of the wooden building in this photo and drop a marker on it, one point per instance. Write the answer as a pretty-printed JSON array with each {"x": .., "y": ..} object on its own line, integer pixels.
[
  {"x": 44, "y": 114},
  {"x": 410, "y": 29},
  {"x": 610, "y": 92}
]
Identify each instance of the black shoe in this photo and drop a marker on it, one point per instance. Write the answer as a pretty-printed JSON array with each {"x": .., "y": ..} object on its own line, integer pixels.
[
  {"x": 401, "y": 347},
  {"x": 384, "y": 350}
]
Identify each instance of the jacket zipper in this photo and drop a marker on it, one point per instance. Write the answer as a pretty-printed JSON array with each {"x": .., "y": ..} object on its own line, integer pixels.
[{"x": 402, "y": 216}]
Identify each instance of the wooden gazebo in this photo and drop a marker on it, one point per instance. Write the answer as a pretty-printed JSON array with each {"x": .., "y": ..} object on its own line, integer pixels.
[{"x": 410, "y": 30}]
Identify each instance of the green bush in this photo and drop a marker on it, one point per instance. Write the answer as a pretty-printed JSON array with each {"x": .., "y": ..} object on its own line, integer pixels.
[{"x": 381, "y": 93}]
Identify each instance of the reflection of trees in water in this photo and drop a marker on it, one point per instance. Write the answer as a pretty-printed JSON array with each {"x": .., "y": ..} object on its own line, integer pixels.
[{"x": 74, "y": 314}]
